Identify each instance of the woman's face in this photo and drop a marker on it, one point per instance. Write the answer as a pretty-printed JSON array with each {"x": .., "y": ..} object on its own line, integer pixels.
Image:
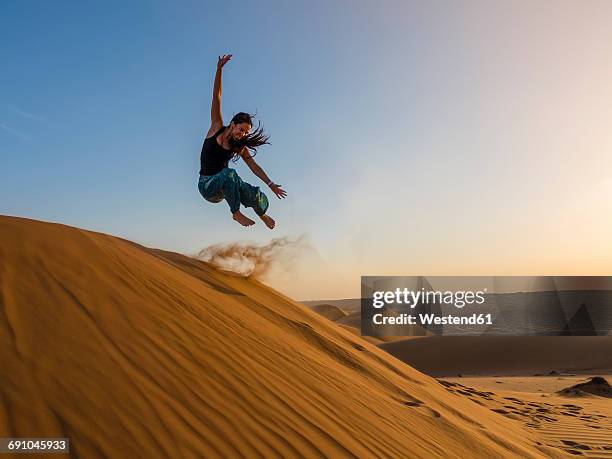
[{"x": 240, "y": 130}]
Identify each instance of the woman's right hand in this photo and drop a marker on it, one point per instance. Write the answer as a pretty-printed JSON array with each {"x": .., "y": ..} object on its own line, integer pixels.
[{"x": 223, "y": 60}]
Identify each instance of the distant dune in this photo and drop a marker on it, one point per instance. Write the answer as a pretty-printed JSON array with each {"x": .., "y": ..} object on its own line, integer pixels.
[
  {"x": 329, "y": 311},
  {"x": 349, "y": 304},
  {"x": 139, "y": 353},
  {"x": 597, "y": 386},
  {"x": 352, "y": 319},
  {"x": 505, "y": 355}
]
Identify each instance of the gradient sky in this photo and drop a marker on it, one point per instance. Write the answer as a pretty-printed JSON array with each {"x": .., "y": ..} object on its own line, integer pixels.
[{"x": 413, "y": 138}]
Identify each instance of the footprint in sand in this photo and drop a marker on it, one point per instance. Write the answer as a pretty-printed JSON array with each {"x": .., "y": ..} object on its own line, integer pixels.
[
  {"x": 572, "y": 407},
  {"x": 419, "y": 404},
  {"x": 413, "y": 403},
  {"x": 544, "y": 410},
  {"x": 546, "y": 418},
  {"x": 576, "y": 445},
  {"x": 464, "y": 392},
  {"x": 448, "y": 384}
]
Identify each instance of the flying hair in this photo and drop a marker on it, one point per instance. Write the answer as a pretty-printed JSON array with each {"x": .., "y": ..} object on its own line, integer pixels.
[{"x": 253, "y": 140}]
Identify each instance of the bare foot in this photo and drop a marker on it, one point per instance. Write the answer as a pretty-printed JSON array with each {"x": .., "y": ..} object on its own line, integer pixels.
[
  {"x": 243, "y": 219},
  {"x": 269, "y": 221}
]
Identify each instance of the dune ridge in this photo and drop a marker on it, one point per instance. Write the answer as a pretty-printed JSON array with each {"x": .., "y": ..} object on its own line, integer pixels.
[{"x": 136, "y": 352}]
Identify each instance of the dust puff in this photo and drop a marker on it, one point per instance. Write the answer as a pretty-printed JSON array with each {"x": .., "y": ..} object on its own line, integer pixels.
[{"x": 253, "y": 260}]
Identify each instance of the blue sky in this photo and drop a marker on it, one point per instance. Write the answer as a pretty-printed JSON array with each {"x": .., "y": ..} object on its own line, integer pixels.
[
  {"x": 119, "y": 101},
  {"x": 412, "y": 137}
]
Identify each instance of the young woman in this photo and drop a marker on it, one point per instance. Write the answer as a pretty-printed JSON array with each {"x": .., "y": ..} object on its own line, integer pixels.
[{"x": 217, "y": 181}]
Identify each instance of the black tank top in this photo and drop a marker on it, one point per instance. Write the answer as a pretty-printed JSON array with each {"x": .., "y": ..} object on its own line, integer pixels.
[{"x": 214, "y": 157}]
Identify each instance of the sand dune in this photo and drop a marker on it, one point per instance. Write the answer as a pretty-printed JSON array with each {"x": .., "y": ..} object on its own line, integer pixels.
[
  {"x": 352, "y": 319},
  {"x": 348, "y": 305},
  {"x": 597, "y": 385},
  {"x": 505, "y": 355},
  {"x": 329, "y": 311},
  {"x": 133, "y": 352}
]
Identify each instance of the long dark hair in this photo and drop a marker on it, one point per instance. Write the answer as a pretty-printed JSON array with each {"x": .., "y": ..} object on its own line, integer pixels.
[{"x": 253, "y": 140}]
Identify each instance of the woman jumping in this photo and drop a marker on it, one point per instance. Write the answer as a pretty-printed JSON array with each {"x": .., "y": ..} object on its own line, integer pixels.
[{"x": 217, "y": 181}]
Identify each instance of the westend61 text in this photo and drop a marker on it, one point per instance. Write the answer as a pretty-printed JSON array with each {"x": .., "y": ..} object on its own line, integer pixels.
[{"x": 431, "y": 319}]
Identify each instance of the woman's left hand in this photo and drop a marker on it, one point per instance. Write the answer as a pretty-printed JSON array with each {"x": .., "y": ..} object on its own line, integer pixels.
[{"x": 278, "y": 191}]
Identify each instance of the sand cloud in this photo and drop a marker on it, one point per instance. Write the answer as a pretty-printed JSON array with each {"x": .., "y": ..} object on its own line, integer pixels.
[{"x": 254, "y": 260}]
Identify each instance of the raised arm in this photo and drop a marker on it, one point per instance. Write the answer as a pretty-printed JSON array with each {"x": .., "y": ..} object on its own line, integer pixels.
[{"x": 216, "y": 118}]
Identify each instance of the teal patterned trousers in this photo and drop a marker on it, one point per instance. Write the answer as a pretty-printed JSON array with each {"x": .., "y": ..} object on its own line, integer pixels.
[{"x": 229, "y": 186}]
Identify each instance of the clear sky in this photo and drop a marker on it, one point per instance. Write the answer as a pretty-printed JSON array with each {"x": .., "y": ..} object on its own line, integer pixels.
[{"x": 413, "y": 138}]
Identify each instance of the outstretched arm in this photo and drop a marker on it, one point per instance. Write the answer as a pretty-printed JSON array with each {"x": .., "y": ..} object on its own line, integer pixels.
[
  {"x": 259, "y": 172},
  {"x": 216, "y": 118}
]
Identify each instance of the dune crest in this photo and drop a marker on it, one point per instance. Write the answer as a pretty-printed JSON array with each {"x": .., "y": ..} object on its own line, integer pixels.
[{"x": 136, "y": 352}]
